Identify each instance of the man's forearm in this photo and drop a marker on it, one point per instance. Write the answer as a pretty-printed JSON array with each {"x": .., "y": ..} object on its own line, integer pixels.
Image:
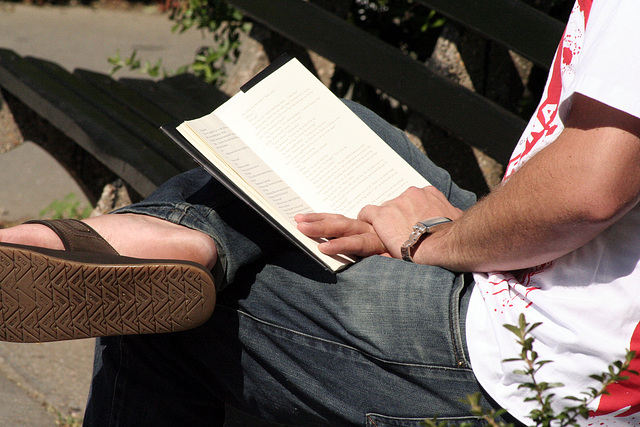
[{"x": 562, "y": 198}]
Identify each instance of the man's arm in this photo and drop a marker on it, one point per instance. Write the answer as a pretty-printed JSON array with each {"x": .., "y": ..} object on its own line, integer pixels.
[{"x": 559, "y": 200}]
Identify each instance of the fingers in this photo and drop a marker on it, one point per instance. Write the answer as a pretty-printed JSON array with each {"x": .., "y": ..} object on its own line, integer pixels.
[
  {"x": 330, "y": 225},
  {"x": 346, "y": 236},
  {"x": 361, "y": 245}
]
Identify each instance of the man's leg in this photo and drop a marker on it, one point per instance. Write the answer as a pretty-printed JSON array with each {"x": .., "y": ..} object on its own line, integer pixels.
[
  {"x": 380, "y": 342},
  {"x": 287, "y": 343},
  {"x": 292, "y": 342}
]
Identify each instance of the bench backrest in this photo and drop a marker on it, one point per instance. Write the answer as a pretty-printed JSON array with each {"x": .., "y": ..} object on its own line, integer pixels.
[{"x": 471, "y": 117}]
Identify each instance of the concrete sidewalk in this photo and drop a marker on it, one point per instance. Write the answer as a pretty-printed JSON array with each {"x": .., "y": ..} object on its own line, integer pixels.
[
  {"x": 84, "y": 37},
  {"x": 45, "y": 384}
]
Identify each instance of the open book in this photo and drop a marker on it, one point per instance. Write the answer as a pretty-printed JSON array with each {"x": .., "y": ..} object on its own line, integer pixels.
[{"x": 285, "y": 145}]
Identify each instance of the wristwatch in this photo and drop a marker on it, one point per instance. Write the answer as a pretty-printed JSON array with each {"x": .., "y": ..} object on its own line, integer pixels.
[{"x": 420, "y": 229}]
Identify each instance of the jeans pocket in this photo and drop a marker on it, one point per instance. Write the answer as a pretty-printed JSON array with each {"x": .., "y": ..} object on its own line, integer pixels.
[{"x": 378, "y": 420}]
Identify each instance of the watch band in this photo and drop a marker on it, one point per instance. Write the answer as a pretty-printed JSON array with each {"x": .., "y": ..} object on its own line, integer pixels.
[{"x": 420, "y": 229}]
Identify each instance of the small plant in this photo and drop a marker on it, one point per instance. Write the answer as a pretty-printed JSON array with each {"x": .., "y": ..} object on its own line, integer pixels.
[
  {"x": 68, "y": 207},
  {"x": 68, "y": 421},
  {"x": 541, "y": 392},
  {"x": 223, "y": 22},
  {"x": 133, "y": 63},
  {"x": 71, "y": 420}
]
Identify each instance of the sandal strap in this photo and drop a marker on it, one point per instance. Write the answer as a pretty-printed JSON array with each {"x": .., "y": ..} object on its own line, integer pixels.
[{"x": 77, "y": 236}]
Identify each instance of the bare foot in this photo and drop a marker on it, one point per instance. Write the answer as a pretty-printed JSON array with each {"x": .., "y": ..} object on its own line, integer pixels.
[
  {"x": 137, "y": 236},
  {"x": 31, "y": 235}
]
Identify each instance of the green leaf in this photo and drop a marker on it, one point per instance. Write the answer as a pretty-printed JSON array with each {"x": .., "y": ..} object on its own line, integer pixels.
[{"x": 513, "y": 329}]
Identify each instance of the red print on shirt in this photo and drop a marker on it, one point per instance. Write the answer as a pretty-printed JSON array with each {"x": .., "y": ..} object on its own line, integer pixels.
[
  {"x": 585, "y": 7},
  {"x": 546, "y": 115},
  {"x": 502, "y": 289},
  {"x": 625, "y": 395},
  {"x": 567, "y": 55}
]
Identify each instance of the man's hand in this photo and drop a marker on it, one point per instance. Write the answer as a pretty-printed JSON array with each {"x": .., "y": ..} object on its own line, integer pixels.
[
  {"x": 347, "y": 236},
  {"x": 378, "y": 230},
  {"x": 393, "y": 221}
]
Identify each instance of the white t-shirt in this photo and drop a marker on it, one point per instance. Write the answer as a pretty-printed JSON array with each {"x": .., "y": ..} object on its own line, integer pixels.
[{"x": 589, "y": 300}]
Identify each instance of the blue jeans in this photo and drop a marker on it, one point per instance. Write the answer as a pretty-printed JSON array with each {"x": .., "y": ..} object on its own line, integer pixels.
[{"x": 381, "y": 343}]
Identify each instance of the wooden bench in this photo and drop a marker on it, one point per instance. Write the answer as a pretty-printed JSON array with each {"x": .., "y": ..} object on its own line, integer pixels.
[{"x": 115, "y": 122}]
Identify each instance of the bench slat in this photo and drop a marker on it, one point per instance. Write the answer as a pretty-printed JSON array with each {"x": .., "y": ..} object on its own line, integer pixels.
[
  {"x": 202, "y": 96},
  {"x": 138, "y": 125},
  {"x": 190, "y": 101},
  {"x": 122, "y": 94},
  {"x": 136, "y": 114}
]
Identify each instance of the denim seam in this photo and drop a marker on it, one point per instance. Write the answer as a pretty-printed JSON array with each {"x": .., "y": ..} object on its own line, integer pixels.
[
  {"x": 178, "y": 212},
  {"x": 454, "y": 322},
  {"x": 390, "y": 362},
  {"x": 188, "y": 216}
]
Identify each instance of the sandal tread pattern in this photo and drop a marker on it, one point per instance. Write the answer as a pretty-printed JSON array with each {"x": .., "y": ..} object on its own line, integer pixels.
[{"x": 44, "y": 298}]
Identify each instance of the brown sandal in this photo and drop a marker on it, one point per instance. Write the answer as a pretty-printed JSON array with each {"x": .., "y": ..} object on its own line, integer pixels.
[{"x": 89, "y": 290}]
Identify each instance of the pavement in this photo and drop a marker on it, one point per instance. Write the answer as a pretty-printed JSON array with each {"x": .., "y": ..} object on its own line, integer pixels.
[{"x": 48, "y": 384}]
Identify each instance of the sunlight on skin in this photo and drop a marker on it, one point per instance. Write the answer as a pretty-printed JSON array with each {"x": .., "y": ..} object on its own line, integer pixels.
[{"x": 137, "y": 236}]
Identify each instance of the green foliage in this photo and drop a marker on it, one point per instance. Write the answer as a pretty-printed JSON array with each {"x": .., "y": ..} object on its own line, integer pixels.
[
  {"x": 405, "y": 24},
  {"x": 68, "y": 421},
  {"x": 211, "y": 15},
  {"x": 133, "y": 63},
  {"x": 68, "y": 207},
  {"x": 222, "y": 22},
  {"x": 541, "y": 392}
]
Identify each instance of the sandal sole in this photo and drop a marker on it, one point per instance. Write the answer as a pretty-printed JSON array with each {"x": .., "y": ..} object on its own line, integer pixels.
[{"x": 50, "y": 295}]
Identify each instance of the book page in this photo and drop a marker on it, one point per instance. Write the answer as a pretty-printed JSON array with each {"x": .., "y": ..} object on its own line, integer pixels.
[
  {"x": 316, "y": 144},
  {"x": 236, "y": 161},
  {"x": 221, "y": 142}
]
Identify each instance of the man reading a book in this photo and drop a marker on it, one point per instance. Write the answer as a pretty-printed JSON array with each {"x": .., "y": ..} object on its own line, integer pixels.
[{"x": 391, "y": 341}]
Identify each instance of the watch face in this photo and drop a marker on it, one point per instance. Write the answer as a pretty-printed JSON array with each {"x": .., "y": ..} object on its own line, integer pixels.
[{"x": 434, "y": 221}]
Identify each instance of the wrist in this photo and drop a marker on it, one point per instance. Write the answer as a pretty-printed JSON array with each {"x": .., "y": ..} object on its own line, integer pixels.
[{"x": 421, "y": 230}]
